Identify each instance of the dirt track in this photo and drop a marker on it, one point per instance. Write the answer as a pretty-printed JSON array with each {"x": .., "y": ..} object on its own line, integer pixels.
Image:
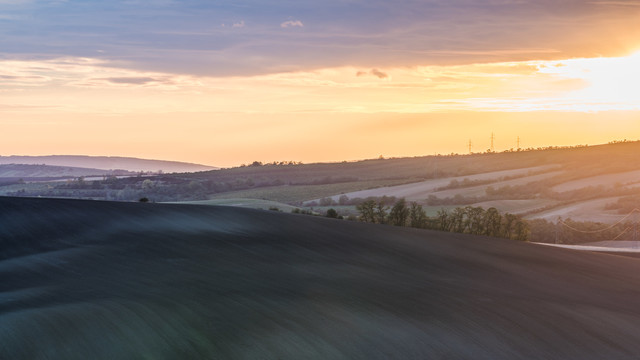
[{"x": 102, "y": 280}]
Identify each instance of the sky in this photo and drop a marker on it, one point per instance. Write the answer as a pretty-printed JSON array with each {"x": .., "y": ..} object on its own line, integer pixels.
[{"x": 230, "y": 82}]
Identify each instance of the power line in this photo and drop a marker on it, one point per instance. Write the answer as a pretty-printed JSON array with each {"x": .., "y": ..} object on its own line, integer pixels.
[
  {"x": 601, "y": 230},
  {"x": 622, "y": 233},
  {"x": 635, "y": 226}
]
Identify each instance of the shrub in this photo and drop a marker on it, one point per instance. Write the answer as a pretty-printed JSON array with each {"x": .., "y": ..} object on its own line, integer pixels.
[{"x": 332, "y": 213}]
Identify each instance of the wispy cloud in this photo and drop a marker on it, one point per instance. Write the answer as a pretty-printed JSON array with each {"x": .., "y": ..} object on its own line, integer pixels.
[
  {"x": 375, "y": 72},
  {"x": 132, "y": 80},
  {"x": 14, "y": 2},
  {"x": 574, "y": 84},
  {"x": 360, "y": 34},
  {"x": 616, "y": 3},
  {"x": 291, "y": 23},
  {"x": 379, "y": 74},
  {"x": 81, "y": 72},
  {"x": 22, "y": 107}
]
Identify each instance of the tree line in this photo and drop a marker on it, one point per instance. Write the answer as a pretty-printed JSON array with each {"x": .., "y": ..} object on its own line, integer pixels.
[
  {"x": 467, "y": 220},
  {"x": 569, "y": 231}
]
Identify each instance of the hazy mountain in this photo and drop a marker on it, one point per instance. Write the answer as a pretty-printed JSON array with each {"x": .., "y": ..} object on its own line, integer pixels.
[
  {"x": 32, "y": 171},
  {"x": 107, "y": 163}
]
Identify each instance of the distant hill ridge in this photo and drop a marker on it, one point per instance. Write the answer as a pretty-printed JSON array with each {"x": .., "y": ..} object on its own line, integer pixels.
[
  {"x": 107, "y": 163},
  {"x": 51, "y": 171}
]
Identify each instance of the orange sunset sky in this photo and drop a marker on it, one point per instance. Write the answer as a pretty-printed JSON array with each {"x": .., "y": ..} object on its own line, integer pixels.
[{"x": 237, "y": 81}]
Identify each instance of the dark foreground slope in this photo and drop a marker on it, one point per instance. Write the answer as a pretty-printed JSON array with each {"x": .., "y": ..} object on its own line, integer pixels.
[{"x": 101, "y": 280}]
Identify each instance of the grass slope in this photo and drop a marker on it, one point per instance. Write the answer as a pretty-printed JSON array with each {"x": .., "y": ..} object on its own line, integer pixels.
[
  {"x": 590, "y": 210},
  {"x": 583, "y": 161},
  {"x": 244, "y": 203},
  {"x": 420, "y": 190},
  {"x": 299, "y": 193},
  {"x": 608, "y": 180},
  {"x": 103, "y": 280}
]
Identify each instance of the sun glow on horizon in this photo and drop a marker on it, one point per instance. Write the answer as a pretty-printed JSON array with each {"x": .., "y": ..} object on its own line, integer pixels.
[
  {"x": 611, "y": 83},
  {"x": 582, "y": 84},
  {"x": 73, "y": 97}
]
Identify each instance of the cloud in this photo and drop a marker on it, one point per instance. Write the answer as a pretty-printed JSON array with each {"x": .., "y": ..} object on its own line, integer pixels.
[
  {"x": 292, "y": 23},
  {"x": 19, "y": 76},
  {"x": 375, "y": 72},
  {"x": 19, "y": 107},
  {"x": 379, "y": 74},
  {"x": 512, "y": 86},
  {"x": 185, "y": 37},
  {"x": 616, "y": 3},
  {"x": 85, "y": 73},
  {"x": 132, "y": 80}
]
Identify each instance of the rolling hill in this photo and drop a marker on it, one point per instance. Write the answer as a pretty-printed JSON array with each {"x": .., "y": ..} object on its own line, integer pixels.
[
  {"x": 418, "y": 191},
  {"x": 107, "y": 163},
  {"x": 43, "y": 172},
  {"x": 582, "y": 183},
  {"x": 586, "y": 183},
  {"x": 113, "y": 280}
]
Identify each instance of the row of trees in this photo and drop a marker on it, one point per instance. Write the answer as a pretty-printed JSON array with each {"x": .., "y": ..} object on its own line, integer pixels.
[
  {"x": 478, "y": 221},
  {"x": 469, "y": 219},
  {"x": 578, "y": 232},
  {"x": 273, "y": 163},
  {"x": 490, "y": 222}
]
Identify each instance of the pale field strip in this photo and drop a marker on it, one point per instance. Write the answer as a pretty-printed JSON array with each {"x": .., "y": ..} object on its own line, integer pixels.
[
  {"x": 609, "y": 180},
  {"x": 516, "y": 206},
  {"x": 631, "y": 249},
  {"x": 420, "y": 190},
  {"x": 623, "y": 244},
  {"x": 481, "y": 190},
  {"x": 590, "y": 210}
]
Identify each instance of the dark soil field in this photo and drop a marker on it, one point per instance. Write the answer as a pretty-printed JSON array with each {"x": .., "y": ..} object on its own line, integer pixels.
[{"x": 107, "y": 280}]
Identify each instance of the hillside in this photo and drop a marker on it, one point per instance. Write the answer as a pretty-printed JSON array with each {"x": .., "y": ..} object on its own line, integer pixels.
[
  {"x": 43, "y": 172},
  {"x": 582, "y": 183},
  {"x": 107, "y": 163},
  {"x": 588, "y": 160},
  {"x": 108, "y": 280},
  {"x": 587, "y": 183}
]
